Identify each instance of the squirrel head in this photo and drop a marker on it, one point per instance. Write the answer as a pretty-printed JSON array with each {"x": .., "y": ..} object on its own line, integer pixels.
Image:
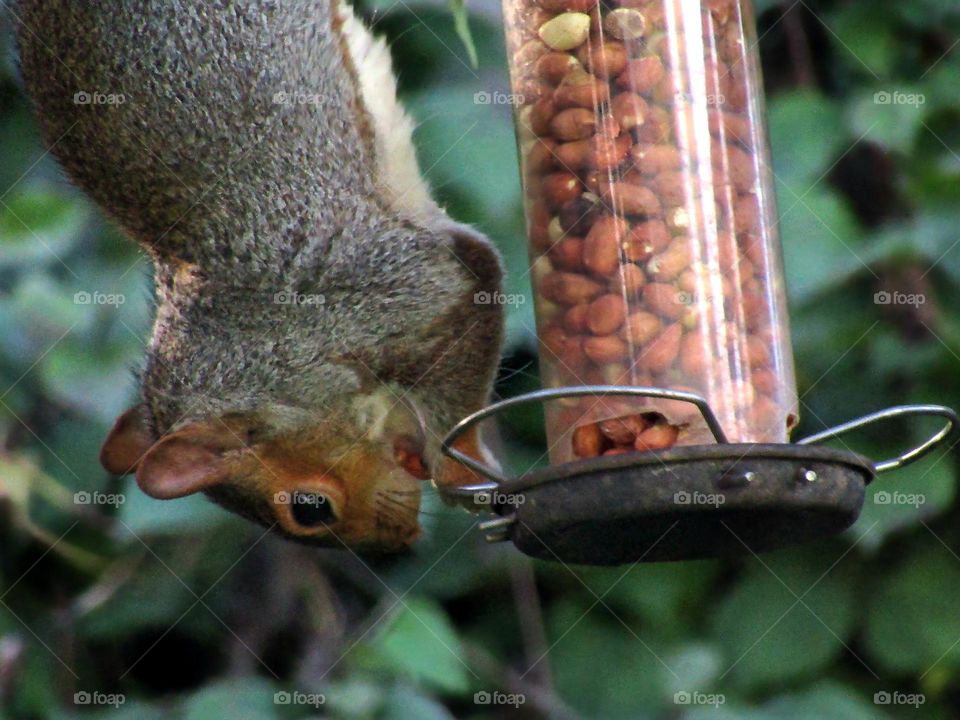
[{"x": 309, "y": 479}]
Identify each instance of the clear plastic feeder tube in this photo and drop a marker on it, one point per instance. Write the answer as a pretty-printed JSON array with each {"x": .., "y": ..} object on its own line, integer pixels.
[{"x": 651, "y": 220}]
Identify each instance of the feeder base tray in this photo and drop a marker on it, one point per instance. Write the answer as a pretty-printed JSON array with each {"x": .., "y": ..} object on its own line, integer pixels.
[{"x": 684, "y": 503}]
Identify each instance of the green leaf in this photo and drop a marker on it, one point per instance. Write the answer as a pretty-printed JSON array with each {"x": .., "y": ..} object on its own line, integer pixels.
[
  {"x": 769, "y": 635},
  {"x": 462, "y": 26},
  {"x": 661, "y": 593},
  {"x": 861, "y": 32},
  {"x": 420, "y": 641},
  {"x": 404, "y": 704},
  {"x": 146, "y": 516},
  {"x": 38, "y": 225},
  {"x": 903, "y": 498},
  {"x": 605, "y": 669},
  {"x": 250, "y": 698},
  {"x": 821, "y": 241},
  {"x": 889, "y": 116},
  {"x": 804, "y": 136},
  {"x": 822, "y": 700},
  {"x": 354, "y": 697},
  {"x": 912, "y": 619}
]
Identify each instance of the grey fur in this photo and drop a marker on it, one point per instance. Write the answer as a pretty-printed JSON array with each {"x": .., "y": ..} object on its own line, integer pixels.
[{"x": 238, "y": 197}]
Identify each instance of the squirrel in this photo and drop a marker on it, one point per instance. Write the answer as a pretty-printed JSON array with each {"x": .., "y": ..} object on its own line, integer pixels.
[{"x": 317, "y": 330}]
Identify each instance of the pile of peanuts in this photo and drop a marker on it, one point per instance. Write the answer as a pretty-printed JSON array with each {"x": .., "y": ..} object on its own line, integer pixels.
[
  {"x": 647, "y": 205},
  {"x": 615, "y": 436}
]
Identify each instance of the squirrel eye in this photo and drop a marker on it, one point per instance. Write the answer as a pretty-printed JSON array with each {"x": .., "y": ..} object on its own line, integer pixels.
[{"x": 311, "y": 509}]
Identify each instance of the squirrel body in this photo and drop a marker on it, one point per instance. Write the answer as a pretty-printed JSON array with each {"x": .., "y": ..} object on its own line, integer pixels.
[{"x": 316, "y": 330}]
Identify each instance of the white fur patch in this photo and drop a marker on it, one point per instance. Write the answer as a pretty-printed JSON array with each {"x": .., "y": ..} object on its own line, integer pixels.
[{"x": 399, "y": 174}]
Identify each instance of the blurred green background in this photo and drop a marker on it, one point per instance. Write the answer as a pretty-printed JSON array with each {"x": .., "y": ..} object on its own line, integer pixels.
[{"x": 190, "y": 613}]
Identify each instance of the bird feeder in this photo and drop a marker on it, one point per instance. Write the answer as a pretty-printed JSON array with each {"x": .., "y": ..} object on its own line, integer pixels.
[{"x": 659, "y": 298}]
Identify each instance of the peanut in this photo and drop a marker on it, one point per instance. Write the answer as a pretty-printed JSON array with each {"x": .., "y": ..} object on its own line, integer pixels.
[
  {"x": 729, "y": 126},
  {"x": 567, "y": 254},
  {"x": 557, "y": 6},
  {"x": 671, "y": 262},
  {"x": 528, "y": 54},
  {"x": 672, "y": 187},
  {"x": 560, "y": 187},
  {"x": 604, "y": 59},
  {"x": 625, "y": 23},
  {"x": 660, "y": 352},
  {"x": 574, "y": 124},
  {"x": 757, "y": 352},
  {"x": 605, "y": 349},
  {"x": 629, "y": 109},
  {"x": 581, "y": 89},
  {"x": 694, "y": 357},
  {"x": 601, "y": 248},
  {"x": 574, "y": 155},
  {"x": 641, "y": 327},
  {"x": 655, "y": 159},
  {"x": 764, "y": 381},
  {"x": 623, "y": 430},
  {"x": 607, "y": 153},
  {"x": 658, "y": 128},
  {"x": 587, "y": 441},
  {"x": 642, "y": 75},
  {"x": 565, "y": 31},
  {"x": 606, "y": 314},
  {"x": 576, "y": 318},
  {"x": 538, "y": 219},
  {"x": 628, "y": 199},
  {"x": 663, "y": 299},
  {"x": 569, "y": 288},
  {"x": 552, "y": 67},
  {"x": 541, "y": 157},
  {"x": 541, "y": 113},
  {"x": 658, "y": 437},
  {"x": 628, "y": 282},
  {"x": 578, "y": 216},
  {"x": 747, "y": 214}
]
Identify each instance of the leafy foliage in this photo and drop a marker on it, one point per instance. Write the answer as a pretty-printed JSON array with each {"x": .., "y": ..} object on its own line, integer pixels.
[{"x": 189, "y": 612}]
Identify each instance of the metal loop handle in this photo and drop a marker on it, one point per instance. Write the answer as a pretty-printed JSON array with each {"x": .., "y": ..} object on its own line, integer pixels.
[
  {"x": 900, "y": 411},
  {"x": 555, "y": 394}
]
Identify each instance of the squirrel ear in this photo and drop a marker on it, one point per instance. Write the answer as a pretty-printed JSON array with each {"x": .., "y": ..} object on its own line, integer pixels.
[
  {"x": 128, "y": 441},
  {"x": 181, "y": 464}
]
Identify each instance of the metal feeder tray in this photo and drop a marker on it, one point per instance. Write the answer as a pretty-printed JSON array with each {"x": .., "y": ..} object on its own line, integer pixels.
[{"x": 683, "y": 503}]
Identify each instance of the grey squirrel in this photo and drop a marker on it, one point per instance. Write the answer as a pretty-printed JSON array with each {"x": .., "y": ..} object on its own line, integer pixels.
[{"x": 317, "y": 330}]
